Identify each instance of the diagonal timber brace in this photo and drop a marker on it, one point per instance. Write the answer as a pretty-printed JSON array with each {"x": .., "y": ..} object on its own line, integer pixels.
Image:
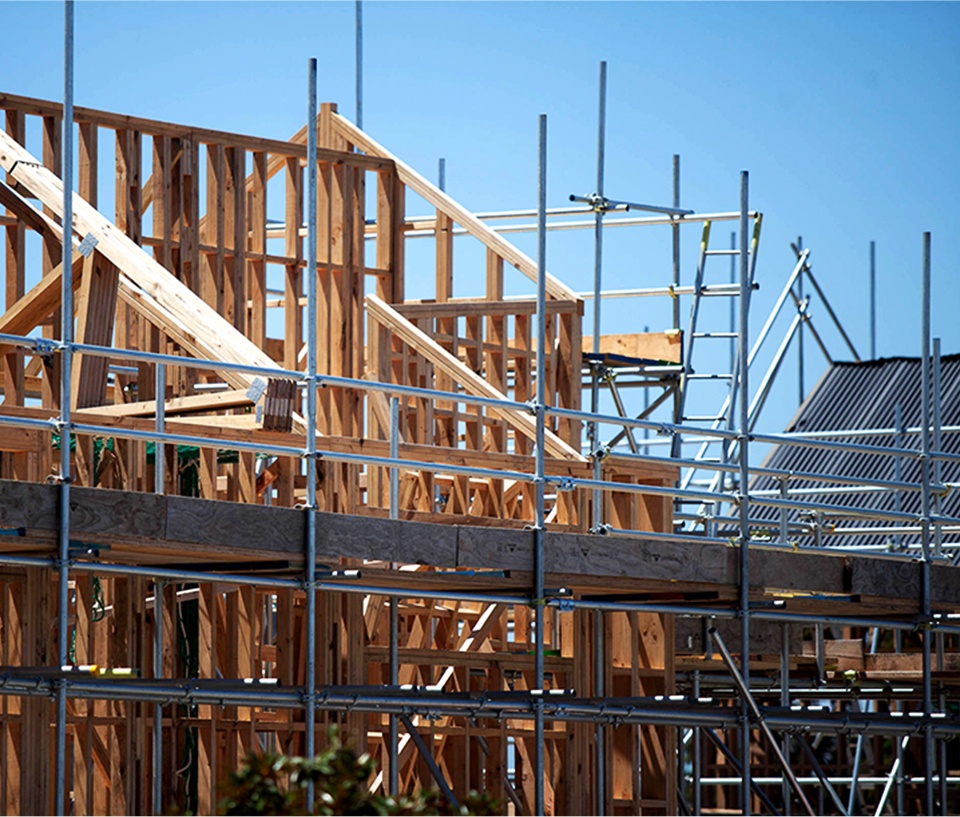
[{"x": 470, "y": 380}]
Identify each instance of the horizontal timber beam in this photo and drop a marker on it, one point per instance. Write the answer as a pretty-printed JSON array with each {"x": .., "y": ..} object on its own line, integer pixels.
[
  {"x": 136, "y": 525},
  {"x": 156, "y": 127}
]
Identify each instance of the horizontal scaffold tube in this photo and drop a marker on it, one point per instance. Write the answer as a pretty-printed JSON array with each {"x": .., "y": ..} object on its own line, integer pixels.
[
  {"x": 671, "y": 711},
  {"x": 558, "y": 599}
]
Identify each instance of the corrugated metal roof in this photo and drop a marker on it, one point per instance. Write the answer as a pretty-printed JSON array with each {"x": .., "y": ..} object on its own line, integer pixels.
[{"x": 864, "y": 396}]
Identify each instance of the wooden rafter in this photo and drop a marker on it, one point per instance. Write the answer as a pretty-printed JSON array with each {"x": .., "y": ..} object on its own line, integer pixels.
[
  {"x": 452, "y": 209},
  {"x": 198, "y": 327}
]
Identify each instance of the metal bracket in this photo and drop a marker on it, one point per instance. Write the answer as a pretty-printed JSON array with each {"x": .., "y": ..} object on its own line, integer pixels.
[
  {"x": 87, "y": 245},
  {"x": 256, "y": 389}
]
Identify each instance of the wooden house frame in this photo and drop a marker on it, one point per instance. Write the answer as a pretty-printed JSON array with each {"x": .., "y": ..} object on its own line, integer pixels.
[{"x": 186, "y": 574}]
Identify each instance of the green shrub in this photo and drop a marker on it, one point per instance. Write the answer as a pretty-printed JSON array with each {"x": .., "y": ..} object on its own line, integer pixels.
[{"x": 275, "y": 784}]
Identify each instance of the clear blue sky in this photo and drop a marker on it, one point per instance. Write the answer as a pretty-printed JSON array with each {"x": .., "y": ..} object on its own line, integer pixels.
[{"x": 845, "y": 114}]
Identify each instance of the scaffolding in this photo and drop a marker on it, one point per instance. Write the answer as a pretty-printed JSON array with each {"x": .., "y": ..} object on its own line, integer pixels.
[{"x": 406, "y": 482}]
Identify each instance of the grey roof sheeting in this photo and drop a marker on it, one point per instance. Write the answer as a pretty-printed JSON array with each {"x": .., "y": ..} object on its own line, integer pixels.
[{"x": 864, "y": 396}]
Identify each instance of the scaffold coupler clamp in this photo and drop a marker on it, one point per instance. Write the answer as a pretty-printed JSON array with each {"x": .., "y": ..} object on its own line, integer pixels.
[
  {"x": 46, "y": 348},
  {"x": 597, "y": 201},
  {"x": 602, "y": 529},
  {"x": 306, "y": 506},
  {"x": 600, "y": 453},
  {"x": 926, "y": 623},
  {"x": 533, "y": 406},
  {"x": 566, "y": 484},
  {"x": 56, "y": 478}
]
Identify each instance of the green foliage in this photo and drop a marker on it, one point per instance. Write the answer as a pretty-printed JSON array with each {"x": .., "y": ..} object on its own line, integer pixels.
[{"x": 276, "y": 784}]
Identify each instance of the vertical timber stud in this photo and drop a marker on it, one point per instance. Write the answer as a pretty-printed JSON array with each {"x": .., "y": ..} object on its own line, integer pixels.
[
  {"x": 11, "y": 364},
  {"x": 292, "y": 288},
  {"x": 538, "y": 529},
  {"x": 256, "y": 260},
  {"x": 311, "y": 452},
  {"x": 67, "y": 337},
  {"x": 744, "y": 486}
]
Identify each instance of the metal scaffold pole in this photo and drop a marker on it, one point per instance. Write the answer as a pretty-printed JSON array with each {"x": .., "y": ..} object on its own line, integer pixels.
[
  {"x": 744, "y": 448},
  {"x": 873, "y": 300},
  {"x": 675, "y": 224},
  {"x": 785, "y": 701},
  {"x": 157, "y": 770},
  {"x": 925, "y": 471},
  {"x": 358, "y": 14},
  {"x": 801, "y": 387},
  {"x": 540, "y": 521},
  {"x": 393, "y": 732},
  {"x": 66, "y": 337},
  {"x": 597, "y": 527},
  {"x": 679, "y": 393},
  {"x": 597, "y": 286},
  {"x": 732, "y": 304},
  {"x": 310, "y": 581}
]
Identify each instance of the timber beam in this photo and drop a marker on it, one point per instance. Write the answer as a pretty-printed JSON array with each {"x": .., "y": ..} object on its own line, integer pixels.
[{"x": 137, "y": 525}]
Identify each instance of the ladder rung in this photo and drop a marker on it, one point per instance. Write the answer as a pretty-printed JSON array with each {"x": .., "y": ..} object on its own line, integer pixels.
[
  {"x": 715, "y": 334},
  {"x": 705, "y": 419},
  {"x": 722, "y": 252},
  {"x": 709, "y": 376}
]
